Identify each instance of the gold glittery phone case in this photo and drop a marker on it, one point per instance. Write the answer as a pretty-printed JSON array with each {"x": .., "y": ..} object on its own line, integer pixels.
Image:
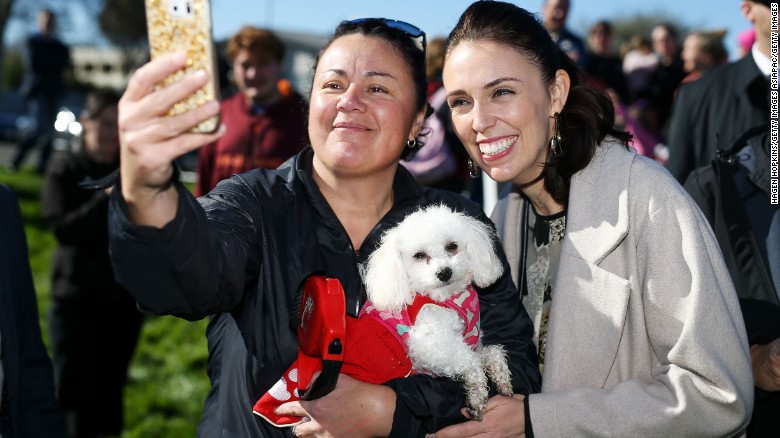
[{"x": 185, "y": 25}]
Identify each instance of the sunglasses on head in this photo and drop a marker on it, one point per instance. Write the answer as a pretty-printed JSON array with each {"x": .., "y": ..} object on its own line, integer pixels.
[{"x": 411, "y": 30}]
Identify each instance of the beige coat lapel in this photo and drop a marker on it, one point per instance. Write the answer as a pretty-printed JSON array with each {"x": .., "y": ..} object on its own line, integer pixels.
[
  {"x": 590, "y": 303},
  {"x": 509, "y": 221}
]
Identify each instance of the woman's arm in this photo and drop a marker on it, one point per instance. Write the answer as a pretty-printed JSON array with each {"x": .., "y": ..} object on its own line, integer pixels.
[
  {"x": 354, "y": 409},
  {"x": 150, "y": 140},
  {"x": 165, "y": 249},
  {"x": 194, "y": 266}
]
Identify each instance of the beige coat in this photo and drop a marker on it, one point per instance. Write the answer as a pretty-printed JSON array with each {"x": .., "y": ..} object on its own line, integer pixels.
[{"x": 646, "y": 337}]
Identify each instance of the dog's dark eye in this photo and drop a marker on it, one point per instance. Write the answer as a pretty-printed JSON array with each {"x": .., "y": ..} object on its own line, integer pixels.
[
  {"x": 419, "y": 255},
  {"x": 451, "y": 247}
]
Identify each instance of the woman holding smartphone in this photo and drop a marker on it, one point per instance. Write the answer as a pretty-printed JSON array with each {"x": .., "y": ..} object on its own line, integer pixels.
[{"x": 242, "y": 250}]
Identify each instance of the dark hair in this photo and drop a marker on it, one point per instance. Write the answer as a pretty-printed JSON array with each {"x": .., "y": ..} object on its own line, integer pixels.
[
  {"x": 712, "y": 44},
  {"x": 588, "y": 116},
  {"x": 405, "y": 47},
  {"x": 97, "y": 101},
  {"x": 603, "y": 25}
]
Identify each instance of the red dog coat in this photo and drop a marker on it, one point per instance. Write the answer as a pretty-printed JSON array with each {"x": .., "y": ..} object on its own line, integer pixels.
[{"x": 375, "y": 349}]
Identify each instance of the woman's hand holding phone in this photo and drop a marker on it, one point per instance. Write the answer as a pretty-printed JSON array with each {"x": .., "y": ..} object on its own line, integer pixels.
[
  {"x": 151, "y": 139},
  {"x": 185, "y": 26}
]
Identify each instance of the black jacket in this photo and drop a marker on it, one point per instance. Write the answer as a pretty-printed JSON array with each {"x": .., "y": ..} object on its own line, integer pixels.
[
  {"x": 244, "y": 250},
  {"x": 712, "y": 112},
  {"x": 733, "y": 193},
  {"x": 78, "y": 217},
  {"x": 28, "y": 376},
  {"x": 46, "y": 59}
]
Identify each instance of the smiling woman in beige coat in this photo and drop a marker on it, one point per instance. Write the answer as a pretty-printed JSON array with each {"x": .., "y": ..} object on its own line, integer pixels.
[{"x": 637, "y": 324}]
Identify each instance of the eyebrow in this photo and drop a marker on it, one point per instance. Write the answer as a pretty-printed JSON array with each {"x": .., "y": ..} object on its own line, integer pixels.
[
  {"x": 495, "y": 82},
  {"x": 490, "y": 84},
  {"x": 341, "y": 72},
  {"x": 378, "y": 73}
]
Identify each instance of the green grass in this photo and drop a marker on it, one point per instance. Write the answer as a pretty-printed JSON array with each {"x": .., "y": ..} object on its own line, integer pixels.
[{"x": 167, "y": 379}]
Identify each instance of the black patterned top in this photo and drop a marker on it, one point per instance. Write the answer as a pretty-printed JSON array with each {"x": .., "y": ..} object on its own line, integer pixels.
[{"x": 543, "y": 252}]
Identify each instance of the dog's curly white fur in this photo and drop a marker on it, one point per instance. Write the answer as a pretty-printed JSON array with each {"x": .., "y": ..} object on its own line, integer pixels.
[{"x": 438, "y": 252}]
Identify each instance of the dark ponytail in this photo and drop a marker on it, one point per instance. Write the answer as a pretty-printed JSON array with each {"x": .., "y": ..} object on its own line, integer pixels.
[{"x": 585, "y": 121}]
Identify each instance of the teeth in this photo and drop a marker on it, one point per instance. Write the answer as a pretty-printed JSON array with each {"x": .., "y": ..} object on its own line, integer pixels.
[{"x": 496, "y": 146}]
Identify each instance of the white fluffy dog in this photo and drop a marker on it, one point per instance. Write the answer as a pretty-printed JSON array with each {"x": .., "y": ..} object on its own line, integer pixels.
[{"x": 438, "y": 253}]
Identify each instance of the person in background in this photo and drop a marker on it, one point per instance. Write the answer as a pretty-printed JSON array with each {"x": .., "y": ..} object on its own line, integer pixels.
[
  {"x": 636, "y": 322},
  {"x": 243, "y": 249},
  {"x": 555, "y": 13},
  {"x": 709, "y": 114},
  {"x": 602, "y": 63},
  {"x": 28, "y": 408},
  {"x": 734, "y": 194},
  {"x": 433, "y": 64},
  {"x": 265, "y": 126},
  {"x": 442, "y": 163},
  {"x": 665, "y": 79},
  {"x": 94, "y": 323},
  {"x": 46, "y": 59},
  {"x": 637, "y": 115},
  {"x": 639, "y": 63},
  {"x": 702, "y": 51},
  {"x": 605, "y": 72}
]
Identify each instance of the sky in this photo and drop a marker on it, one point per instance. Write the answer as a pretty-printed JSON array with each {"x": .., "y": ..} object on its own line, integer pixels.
[{"x": 437, "y": 17}]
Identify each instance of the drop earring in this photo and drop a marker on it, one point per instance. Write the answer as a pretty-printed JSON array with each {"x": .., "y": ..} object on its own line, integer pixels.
[
  {"x": 555, "y": 142},
  {"x": 474, "y": 170}
]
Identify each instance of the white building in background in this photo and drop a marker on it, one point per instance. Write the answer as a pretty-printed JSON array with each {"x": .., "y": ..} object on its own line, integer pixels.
[{"x": 102, "y": 67}]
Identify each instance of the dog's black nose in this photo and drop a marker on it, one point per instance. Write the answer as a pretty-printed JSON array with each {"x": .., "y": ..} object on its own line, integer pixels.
[{"x": 445, "y": 274}]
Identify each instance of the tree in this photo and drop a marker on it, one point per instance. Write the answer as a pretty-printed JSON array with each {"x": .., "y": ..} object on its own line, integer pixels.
[
  {"x": 5, "y": 12},
  {"x": 12, "y": 69},
  {"x": 123, "y": 22}
]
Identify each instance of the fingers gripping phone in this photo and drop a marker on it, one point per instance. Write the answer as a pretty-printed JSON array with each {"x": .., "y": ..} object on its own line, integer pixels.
[{"x": 185, "y": 26}]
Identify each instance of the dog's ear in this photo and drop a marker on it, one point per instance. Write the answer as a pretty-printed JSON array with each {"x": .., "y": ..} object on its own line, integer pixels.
[
  {"x": 479, "y": 246},
  {"x": 387, "y": 283}
]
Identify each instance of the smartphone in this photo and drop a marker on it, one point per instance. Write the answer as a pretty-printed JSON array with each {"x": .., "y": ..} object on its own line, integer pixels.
[{"x": 185, "y": 26}]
